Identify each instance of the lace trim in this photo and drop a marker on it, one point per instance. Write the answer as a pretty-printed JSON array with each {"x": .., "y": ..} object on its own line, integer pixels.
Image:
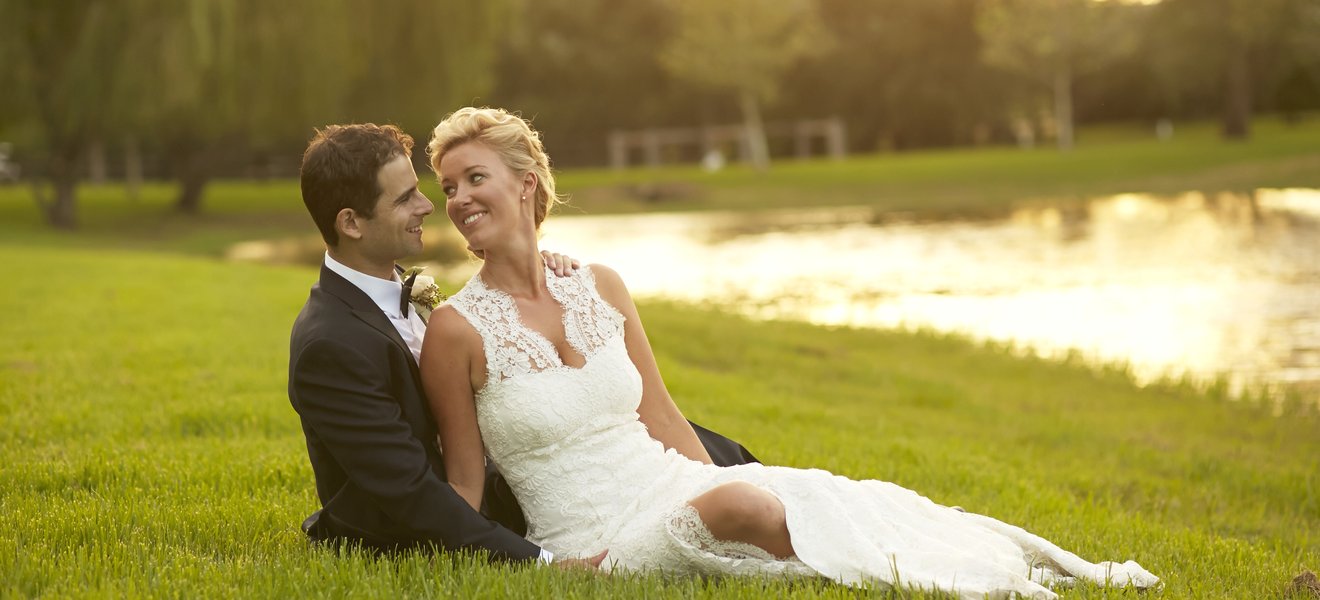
[
  {"x": 512, "y": 348},
  {"x": 589, "y": 321},
  {"x": 685, "y": 524}
]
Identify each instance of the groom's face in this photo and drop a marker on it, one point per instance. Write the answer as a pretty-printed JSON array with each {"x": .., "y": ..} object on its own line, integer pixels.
[{"x": 395, "y": 230}]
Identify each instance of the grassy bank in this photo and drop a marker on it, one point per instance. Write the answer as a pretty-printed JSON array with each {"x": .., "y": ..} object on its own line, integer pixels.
[
  {"x": 960, "y": 181},
  {"x": 149, "y": 449},
  {"x": 1107, "y": 160}
]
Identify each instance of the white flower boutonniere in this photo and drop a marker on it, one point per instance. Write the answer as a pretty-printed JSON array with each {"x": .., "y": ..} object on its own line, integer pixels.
[{"x": 425, "y": 295}]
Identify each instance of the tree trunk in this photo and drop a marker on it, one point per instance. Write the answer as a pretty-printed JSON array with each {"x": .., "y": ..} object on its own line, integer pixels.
[
  {"x": 1237, "y": 93},
  {"x": 191, "y": 187},
  {"x": 193, "y": 173},
  {"x": 60, "y": 211},
  {"x": 757, "y": 149},
  {"x": 97, "y": 170},
  {"x": 1063, "y": 107},
  {"x": 132, "y": 168}
]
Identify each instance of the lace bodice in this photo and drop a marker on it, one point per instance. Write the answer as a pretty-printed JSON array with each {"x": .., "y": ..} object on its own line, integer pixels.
[{"x": 512, "y": 348}]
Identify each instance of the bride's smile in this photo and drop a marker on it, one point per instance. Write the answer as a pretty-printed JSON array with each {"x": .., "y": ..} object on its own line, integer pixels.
[{"x": 485, "y": 200}]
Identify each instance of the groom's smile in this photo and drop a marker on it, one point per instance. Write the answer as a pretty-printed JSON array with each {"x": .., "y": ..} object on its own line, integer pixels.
[{"x": 395, "y": 230}]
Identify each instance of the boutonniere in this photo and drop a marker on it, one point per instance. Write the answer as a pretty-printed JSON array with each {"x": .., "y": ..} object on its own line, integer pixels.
[{"x": 424, "y": 294}]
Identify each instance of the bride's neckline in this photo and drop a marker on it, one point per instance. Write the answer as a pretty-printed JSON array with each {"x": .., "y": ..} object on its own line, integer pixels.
[{"x": 554, "y": 286}]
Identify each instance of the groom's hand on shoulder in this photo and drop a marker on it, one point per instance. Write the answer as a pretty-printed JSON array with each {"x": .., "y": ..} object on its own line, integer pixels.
[
  {"x": 591, "y": 563},
  {"x": 562, "y": 265}
]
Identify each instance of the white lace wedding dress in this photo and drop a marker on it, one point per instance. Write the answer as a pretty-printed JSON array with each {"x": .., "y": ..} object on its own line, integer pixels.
[{"x": 589, "y": 477}]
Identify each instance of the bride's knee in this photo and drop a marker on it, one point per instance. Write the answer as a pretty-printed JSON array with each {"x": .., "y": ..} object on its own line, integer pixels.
[{"x": 739, "y": 508}]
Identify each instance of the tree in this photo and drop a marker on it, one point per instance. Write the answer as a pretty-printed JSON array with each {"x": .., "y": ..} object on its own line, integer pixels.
[
  {"x": 1299, "y": 84},
  {"x": 1228, "y": 52},
  {"x": 60, "y": 63},
  {"x": 902, "y": 73},
  {"x": 226, "y": 74},
  {"x": 743, "y": 46},
  {"x": 422, "y": 60},
  {"x": 1049, "y": 43},
  {"x": 188, "y": 72},
  {"x": 582, "y": 68},
  {"x": 255, "y": 73}
]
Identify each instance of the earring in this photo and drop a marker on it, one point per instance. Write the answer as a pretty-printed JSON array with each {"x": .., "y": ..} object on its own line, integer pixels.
[{"x": 524, "y": 196}]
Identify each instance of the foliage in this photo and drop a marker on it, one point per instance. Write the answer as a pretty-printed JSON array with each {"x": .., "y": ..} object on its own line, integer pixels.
[
  {"x": 1049, "y": 44},
  {"x": 901, "y": 74},
  {"x": 421, "y": 60},
  {"x": 743, "y": 46},
  {"x": 59, "y": 64},
  {"x": 1231, "y": 55},
  {"x": 203, "y": 78},
  {"x": 579, "y": 68},
  {"x": 235, "y": 87}
]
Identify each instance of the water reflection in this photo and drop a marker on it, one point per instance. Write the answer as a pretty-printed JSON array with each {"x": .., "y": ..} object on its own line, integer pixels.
[{"x": 1195, "y": 284}]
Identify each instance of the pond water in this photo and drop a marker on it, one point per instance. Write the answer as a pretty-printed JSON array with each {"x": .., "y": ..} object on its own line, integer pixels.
[{"x": 1193, "y": 285}]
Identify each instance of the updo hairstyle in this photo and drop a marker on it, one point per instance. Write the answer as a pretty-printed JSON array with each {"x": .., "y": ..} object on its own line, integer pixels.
[{"x": 509, "y": 136}]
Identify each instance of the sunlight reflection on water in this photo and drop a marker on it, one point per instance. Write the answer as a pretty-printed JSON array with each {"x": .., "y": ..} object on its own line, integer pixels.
[{"x": 1187, "y": 285}]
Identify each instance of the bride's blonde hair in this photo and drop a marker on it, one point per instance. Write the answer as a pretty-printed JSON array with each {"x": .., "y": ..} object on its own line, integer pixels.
[{"x": 509, "y": 136}]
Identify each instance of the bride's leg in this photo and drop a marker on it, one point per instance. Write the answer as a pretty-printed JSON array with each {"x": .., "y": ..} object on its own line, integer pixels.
[{"x": 741, "y": 512}]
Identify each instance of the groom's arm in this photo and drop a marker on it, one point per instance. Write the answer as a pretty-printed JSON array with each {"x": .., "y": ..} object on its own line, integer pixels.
[
  {"x": 723, "y": 451},
  {"x": 345, "y": 400}
]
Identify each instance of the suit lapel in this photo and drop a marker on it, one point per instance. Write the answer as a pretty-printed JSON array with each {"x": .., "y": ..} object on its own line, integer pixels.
[{"x": 364, "y": 309}]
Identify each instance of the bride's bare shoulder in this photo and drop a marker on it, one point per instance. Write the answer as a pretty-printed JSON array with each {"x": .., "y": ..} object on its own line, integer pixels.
[
  {"x": 612, "y": 290},
  {"x": 608, "y": 281},
  {"x": 447, "y": 326}
]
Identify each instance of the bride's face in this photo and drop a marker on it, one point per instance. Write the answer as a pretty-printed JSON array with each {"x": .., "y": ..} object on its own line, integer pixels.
[{"x": 485, "y": 200}]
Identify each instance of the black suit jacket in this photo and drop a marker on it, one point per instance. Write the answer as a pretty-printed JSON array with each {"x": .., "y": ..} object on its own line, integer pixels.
[{"x": 372, "y": 441}]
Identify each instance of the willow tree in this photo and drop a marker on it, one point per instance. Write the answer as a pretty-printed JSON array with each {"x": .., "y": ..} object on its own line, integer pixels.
[
  {"x": 422, "y": 60},
  {"x": 230, "y": 73},
  {"x": 249, "y": 73},
  {"x": 1050, "y": 43},
  {"x": 743, "y": 47},
  {"x": 59, "y": 66}
]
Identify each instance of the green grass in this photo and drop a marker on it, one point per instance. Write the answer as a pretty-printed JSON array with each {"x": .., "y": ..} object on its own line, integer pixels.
[
  {"x": 149, "y": 448},
  {"x": 1107, "y": 160}
]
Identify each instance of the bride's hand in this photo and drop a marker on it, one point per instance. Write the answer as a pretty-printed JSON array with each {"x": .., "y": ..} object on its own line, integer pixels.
[
  {"x": 562, "y": 265},
  {"x": 590, "y": 564}
]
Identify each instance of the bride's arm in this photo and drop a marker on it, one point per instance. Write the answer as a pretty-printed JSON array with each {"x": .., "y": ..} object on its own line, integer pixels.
[
  {"x": 657, "y": 411},
  {"x": 449, "y": 352}
]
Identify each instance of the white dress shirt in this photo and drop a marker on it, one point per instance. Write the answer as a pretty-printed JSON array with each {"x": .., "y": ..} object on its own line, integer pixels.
[{"x": 386, "y": 294}]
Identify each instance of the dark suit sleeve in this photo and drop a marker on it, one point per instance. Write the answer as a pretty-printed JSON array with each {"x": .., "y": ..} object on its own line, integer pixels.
[
  {"x": 345, "y": 401},
  {"x": 723, "y": 451}
]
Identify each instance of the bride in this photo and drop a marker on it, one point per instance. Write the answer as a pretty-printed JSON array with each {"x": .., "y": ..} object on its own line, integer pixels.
[{"x": 553, "y": 379}]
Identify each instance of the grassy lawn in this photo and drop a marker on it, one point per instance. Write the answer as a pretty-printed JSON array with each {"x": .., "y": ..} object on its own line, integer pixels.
[{"x": 149, "y": 448}]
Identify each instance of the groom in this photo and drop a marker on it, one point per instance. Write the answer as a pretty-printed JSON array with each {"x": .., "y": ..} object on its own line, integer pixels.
[{"x": 353, "y": 374}]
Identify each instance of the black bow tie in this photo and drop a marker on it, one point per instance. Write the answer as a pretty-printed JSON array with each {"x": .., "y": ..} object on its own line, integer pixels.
[{"x": 407, "y": 293}]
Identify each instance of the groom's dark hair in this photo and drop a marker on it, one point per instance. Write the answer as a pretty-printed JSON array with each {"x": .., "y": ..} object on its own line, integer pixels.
[{"x": 339, "y": 171}]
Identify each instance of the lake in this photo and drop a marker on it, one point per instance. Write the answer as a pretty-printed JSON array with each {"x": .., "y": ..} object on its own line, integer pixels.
[
  {"x": 1204, "y": 286},
  {"x": 1208, "y": 287}
]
